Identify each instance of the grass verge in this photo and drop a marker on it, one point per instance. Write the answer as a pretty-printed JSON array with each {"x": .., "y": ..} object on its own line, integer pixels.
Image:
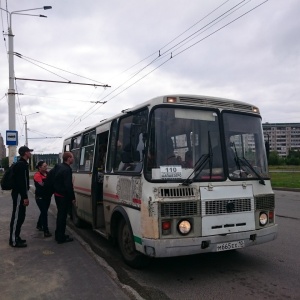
[{"x": 286, "y": 177}]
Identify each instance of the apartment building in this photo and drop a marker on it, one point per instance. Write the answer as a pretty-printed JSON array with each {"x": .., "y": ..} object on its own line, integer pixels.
[{"x": 282, "y": 137}]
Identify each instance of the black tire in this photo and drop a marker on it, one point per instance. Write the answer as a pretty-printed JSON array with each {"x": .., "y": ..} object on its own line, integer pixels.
[
  {"x": 126, "y": 245},
  {"x": 75, "y": 219}
]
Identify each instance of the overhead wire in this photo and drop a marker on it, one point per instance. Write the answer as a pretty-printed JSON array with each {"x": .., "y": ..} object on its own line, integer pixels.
[
  {"x": 164, "y": 62},
  {"x": 28, "y": 59},
  {"x": 3, "y": 97},
  {"x": 167, "y": 54},
  {"x": 202, "y": 30},
  {"x": 161, "y": 56},
  {"x": 213, "y": 22},
  {"x": 19, "y": 106},
  {"x": 18, "y": 55},
  {"x": 175, "y": 38},
  {"x": 3, "y": 26},
  {"x": 40, "y": 133},
  {"x": 221, "y": 27},
  {"x": 80, "y": 118},
  {"x": 174, "y": 55}
]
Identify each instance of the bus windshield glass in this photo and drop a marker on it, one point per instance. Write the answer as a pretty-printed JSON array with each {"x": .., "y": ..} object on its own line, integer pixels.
[
  {"x": 245, "y": 148},
  {"x": 184, "y": 144}
]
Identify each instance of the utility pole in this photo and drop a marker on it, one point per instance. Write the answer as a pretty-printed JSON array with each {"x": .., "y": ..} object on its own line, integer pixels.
[{"x": 12, "y": 150}]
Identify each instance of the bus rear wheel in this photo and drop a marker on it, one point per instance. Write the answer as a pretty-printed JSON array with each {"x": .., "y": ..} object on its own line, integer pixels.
[{"x": 126, "y": 244}]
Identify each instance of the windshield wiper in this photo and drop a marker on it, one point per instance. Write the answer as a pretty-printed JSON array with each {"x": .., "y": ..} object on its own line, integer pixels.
[
  {"x": 236, "y": 157},
  {"x": 247, "y": 163},
  {"x": 199, "y": 166},
  {"x": 201, "y": 163}
]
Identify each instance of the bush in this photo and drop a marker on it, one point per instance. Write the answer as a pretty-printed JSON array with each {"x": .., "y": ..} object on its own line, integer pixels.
[
  {"x": 292, "y": 161},
  {"x": 275, "y": 159}
]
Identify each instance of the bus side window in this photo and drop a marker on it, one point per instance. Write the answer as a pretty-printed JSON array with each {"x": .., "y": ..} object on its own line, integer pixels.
[
  {"x": 75, "y": 148},
  {"x": 87, "y": 151}
]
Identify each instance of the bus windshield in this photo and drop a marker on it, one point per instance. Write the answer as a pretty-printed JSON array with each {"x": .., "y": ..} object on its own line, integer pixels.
[
  {"x": 185, "y": 145},
  {"x": 245, "y": 149}
]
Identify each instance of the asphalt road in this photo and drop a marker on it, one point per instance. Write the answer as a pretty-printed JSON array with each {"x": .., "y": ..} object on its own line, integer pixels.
[{"x": 267, "y": 271}]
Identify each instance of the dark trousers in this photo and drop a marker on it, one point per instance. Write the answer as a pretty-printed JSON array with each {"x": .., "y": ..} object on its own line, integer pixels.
[
  {"x": 17, "y": 217},
  {"x": 43, "y": 204},
  {"x": 63, "y": 205}
]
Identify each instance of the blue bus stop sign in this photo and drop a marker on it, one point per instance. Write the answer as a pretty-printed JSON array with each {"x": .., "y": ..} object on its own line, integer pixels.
[{"x": 11, "y": 138}]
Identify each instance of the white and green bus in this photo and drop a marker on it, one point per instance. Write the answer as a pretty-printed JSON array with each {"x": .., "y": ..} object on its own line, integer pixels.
[{"x": 176, "y": 175}]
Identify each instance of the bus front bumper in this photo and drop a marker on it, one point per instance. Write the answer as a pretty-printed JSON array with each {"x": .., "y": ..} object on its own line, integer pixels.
[{"x": 196, "y": 245}]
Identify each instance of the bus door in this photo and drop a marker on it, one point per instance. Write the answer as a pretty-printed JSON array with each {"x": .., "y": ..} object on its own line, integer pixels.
[{"x": 97, "y": 182}]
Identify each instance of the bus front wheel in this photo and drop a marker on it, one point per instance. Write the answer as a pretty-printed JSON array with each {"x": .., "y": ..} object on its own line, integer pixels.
[{"x": 126, "y": 244}]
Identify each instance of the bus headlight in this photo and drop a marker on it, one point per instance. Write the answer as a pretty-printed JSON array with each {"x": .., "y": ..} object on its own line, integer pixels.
[
  {"x": 184, "y": 227},
  {"x": 263, "y": 219}
]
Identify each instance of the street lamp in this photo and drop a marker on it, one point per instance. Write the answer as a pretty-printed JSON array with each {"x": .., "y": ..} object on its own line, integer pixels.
[
  {"x": 26, "y": 130},
  {"x": 11, "y": 88}
]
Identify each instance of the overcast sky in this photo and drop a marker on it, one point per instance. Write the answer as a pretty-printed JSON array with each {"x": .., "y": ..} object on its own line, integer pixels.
[{"x": 255, "y": 59}]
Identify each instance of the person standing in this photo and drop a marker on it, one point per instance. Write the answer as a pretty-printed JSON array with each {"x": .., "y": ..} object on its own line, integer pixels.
[
  {"x": 42, "y": 197},
  {"x": 19, "y": 197},
  {"x": 64, "y": 196}
]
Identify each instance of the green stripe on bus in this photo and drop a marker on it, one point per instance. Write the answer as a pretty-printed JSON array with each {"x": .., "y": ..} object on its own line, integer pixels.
[{"x": 137, "y": 240}]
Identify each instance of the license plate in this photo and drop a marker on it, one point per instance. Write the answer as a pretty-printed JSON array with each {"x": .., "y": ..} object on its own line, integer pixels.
[{"x": 230, "y": 245}]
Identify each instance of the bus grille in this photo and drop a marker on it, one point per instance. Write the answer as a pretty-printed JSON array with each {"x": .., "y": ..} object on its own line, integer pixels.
[
  {"x": 264, "y": 201},
  {"x": 180, "y": 209},
  {"x": 216, "y": 103},
  {"x": 176, "y": 192},
  {"x": 226, "y": 206}
]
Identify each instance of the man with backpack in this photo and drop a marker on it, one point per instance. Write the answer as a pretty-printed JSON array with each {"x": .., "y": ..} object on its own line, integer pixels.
[{"x": 19, "y": 197}]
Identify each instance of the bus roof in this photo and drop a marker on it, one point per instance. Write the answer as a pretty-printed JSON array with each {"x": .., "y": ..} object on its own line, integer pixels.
[{"x": 184, "y": 99}]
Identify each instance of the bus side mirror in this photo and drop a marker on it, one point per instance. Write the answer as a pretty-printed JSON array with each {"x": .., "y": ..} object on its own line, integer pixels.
[{"x": 267, "y": 145}]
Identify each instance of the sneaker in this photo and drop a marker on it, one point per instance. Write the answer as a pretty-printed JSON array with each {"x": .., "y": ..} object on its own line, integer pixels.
[
  {"x": 21, "y": 240},
  {"x": 18, "y": 245},
  {"x": 66, "y": 237},
  {"x": 47, "y": 234}
]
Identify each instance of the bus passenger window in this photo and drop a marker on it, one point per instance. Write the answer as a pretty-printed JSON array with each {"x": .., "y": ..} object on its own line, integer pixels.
[{"x": 87, "y": 152}]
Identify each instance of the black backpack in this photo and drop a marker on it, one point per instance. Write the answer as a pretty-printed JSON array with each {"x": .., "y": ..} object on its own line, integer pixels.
[
  {"x": 7, "y": 181},
  {"x": 49, "y": 182}
]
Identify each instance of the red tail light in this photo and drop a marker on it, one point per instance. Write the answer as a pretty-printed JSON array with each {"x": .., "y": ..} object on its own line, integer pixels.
[
  {"x": 166, "y": 225},
  {"x": 271, "y": 216}
]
